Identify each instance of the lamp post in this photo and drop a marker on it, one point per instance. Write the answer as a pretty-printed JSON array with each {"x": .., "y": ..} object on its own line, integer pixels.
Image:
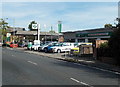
[
  {"x": 38, "y": 32},
  {"x": 13, "y": 30},
  {"x": 45, "y": 32},
  {"x": 51, "y": 33}
]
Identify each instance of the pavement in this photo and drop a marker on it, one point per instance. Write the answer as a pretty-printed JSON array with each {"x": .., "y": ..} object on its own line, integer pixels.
[
  {"x": 88, "y": 61},
  {"x": 24, "y": 68}
]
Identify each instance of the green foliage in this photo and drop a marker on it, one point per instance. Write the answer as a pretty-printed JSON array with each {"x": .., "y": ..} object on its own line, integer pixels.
[
  {"x": 114, "y": 44},
  {"x": 30, "y": 26},
  {"x": 108, "y": 25},
  {"x": 104, "y": 45},
  {"x": 3, "y": 24},
  {"x": 52, "y": 31},
  {"x": 3, "y": 33}
]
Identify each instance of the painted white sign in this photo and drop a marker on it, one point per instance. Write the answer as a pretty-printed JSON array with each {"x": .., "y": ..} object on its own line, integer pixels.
[
  {"x": 34, "y": 26},
  {"x": 8, "y": 34}
]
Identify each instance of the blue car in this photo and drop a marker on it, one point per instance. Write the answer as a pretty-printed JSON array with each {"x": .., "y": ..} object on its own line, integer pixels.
[{"x": 49, "y": 47}]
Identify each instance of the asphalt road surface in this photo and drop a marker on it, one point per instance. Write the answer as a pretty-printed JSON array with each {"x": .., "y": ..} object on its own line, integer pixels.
[{"x": 20, "y": 68}]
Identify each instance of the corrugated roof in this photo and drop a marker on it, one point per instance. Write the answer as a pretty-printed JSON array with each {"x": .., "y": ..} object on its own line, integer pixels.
[
  {"x": 34, "y": 33},
  {"x": 15, "y": 29}
]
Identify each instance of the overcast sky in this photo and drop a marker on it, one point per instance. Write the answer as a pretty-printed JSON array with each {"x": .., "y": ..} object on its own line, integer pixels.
[{"x": 74, "y": 15}]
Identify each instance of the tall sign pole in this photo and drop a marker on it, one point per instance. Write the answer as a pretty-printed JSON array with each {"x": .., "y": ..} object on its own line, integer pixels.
[
  {"x": 36, "y": 26},
  {"x": 59, "y": 29},
  {"x": 59, "y": 26},
  {"x": 38, "y": 31}
]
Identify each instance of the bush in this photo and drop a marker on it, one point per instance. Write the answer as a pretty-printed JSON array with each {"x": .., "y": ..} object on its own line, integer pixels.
[
  {"x": 104, "y": 52},
  {"x": 104, "y": 45},
  {"x": 114, "y": 44}
]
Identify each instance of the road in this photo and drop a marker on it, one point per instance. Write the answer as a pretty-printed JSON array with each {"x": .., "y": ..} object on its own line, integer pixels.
[{"x": 20, "y": 68}]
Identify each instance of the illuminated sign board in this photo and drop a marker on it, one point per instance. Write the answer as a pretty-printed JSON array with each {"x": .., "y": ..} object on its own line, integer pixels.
[{"x": 94, "y": 34}]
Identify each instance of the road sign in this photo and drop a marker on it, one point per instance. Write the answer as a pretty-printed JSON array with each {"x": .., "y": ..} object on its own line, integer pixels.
[
  {"x": 34, "y": 26},
  {"x": 8, "y": 34}
]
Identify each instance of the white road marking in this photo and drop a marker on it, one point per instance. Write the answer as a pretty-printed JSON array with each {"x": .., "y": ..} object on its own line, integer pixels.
[
  {"x": 75, "y": 80},
  {"x": 80, "y": 82},
  {"x": 13, "y": 55},
  {"x": 99, "y": 68},
  {"x": 32, "y": 62},
  {"x": 107, "y": 70},
  {"x": 84, "y": 83}
]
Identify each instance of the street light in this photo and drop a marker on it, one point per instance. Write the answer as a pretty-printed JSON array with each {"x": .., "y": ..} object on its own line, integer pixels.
[
  {"x": 118, "y": 25},
  {"x": 13, "y": 30},
  {"x": 51, "y": 32},
  {"x": 45, "y": 32}
]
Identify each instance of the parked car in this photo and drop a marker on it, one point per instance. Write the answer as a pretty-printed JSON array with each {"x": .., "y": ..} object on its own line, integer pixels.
[
  {"x": 42, "y": 48},
  {"x": 36, "y": 46},
  {"x": 76, "y": 50},
  {"x": 29, "y": 47},
  {"x": 13, "y": 45},
  {"x": 49, "y": 47},
  {"x": 21, "y": 45},
  {"x": 62, "y": 48}
]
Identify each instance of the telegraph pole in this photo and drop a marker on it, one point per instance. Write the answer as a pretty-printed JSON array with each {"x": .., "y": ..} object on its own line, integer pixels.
[{"x": 118, "y": 19}]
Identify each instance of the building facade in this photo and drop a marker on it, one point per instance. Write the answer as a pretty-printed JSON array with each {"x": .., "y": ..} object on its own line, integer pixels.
[
  {"x": 18, "y": 34},
  {"x": 44, "y": 36},
  {"x": 88, "y": 35}
]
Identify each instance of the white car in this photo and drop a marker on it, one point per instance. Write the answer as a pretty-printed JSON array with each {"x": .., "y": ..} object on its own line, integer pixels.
[
  {"x": 36, "y": 46},
  {"x": 62, "y": 48}
]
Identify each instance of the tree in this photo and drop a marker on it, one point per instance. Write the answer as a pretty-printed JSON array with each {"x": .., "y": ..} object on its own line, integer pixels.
[
  {"x": 114, "y": 44},
  {"x": 30, "y": 26},
  {"x": 108, "y": 25},
  {"x": 52, "y": 31},
  {"x": 3, "y": 24},
  {"x": 3, "y": 27},
  {"x": 104, "y": 45}
]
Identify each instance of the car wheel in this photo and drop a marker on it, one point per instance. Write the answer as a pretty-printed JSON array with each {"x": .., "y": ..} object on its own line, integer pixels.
[
  {"x": 31, "y": 49},
  {"x": 58, "y": 51},
  {"x": 39, "y": 49},
  {"x": 46, "y": 50}
]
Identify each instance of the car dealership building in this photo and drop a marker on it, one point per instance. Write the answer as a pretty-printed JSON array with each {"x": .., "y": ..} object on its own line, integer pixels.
[{"x": 88, "y": 35}]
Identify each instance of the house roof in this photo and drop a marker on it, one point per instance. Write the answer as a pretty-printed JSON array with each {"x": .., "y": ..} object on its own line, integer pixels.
[{"x": 12, "y": 29}]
